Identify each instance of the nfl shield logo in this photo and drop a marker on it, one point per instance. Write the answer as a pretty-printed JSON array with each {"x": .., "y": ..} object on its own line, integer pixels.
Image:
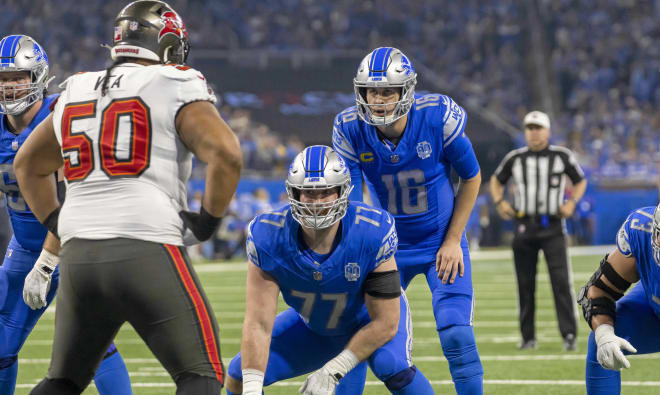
[
  {"x": 424, "y": 149},
  {"x": 318, "y": 276},
  {"x": 14, "y": 145},
  {"x": 133, "y": 25},
  {"x": 352, "y": 271},
  {"x": 394, "y": 158}
]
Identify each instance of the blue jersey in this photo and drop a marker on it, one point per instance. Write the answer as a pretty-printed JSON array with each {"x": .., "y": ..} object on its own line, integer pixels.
[
  {"x": 28, "y": 231},
  {"x": 328, "y": 295},
  {"x": 411, "y": 180},
  {"x": 634, "y": 240}
]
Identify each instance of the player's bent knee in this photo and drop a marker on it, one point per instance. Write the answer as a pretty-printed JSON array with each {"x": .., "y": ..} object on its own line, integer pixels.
[
  {"x": 460, "y": 349},
  {"x": 401, "y": 379},
  {"x": 234, "y": 385},
  {"x": 6, "y": 362},
  {"x": 194, "y": 384},
  {"x": 56, "y": 387}
]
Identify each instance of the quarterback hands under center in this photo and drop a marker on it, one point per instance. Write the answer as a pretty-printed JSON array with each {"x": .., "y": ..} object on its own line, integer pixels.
[
  {"x": 37, "y": 282},
  {"x": 449, "y": 261},
  {"x": 609, "y": 348}
]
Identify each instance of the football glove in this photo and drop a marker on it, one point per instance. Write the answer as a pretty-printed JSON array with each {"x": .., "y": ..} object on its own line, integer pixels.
[
  {"x": 202, "y": 224},
  {"x": 609, "y": 348},
  {"x": 324, "y": 380},
  {"x": 37, "y": 282}
]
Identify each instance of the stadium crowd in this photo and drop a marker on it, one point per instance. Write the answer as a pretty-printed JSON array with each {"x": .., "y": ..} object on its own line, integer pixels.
[{"x": 604, "y": 57}]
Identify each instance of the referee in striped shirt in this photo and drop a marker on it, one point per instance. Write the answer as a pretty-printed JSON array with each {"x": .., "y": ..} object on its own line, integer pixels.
[{"x": 538, "y": 211}]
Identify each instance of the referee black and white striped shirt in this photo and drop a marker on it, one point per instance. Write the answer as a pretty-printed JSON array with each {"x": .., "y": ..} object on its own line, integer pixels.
[{"x": 539, "y": 178}]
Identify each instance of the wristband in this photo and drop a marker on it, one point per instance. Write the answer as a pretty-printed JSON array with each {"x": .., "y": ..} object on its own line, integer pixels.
[
  {"x": 51, "y": 221},
  {"x": 342, "y": 364},
  {"x": 253, "y": 381}
]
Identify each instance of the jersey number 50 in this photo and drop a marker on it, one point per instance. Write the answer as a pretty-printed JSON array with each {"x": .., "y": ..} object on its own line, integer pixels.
[{"x": 78, "y": 147}]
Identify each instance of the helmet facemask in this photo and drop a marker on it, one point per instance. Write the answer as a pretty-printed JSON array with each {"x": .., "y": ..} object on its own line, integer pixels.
[
  {"x": 330, "y": 174},
  {"x": 401, "y": 107},
  {"x": 30, "y": 58},
  {"x": 384, "y": 68}
]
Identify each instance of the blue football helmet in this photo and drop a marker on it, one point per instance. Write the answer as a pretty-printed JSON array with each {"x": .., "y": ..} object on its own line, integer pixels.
[
  {"x": 384, "y": 67},
  {"x": 318, "y": 167},
  {"x": 22, "y": 53},
  {"x": 655, "y": 235}
]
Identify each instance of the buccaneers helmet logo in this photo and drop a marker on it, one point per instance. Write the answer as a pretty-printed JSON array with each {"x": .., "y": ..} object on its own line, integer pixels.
[{"x": 172, "y": 24}]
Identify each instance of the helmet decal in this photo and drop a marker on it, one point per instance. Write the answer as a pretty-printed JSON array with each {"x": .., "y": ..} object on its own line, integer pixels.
[{"x": 172, "y": 24}]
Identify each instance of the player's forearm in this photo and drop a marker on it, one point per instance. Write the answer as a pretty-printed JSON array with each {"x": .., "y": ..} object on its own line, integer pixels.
[
  {"x": 255, "y": 346},
  {"x": 52, "y": 244},
  {"x": 382, "y": 328},
  {"x": 222, "y": 174},
  {"x": 468, "y": 190},
  {"x": 39, "y": 191}
]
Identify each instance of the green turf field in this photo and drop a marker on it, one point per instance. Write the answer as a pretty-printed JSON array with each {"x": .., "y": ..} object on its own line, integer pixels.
[{"x": 547, "y": 370}]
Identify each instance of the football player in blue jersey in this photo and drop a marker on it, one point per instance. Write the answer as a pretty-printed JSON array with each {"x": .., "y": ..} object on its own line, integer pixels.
[
  {"x": 623, "y": 324},
  {"x": 333, "y": 263},
  {"x": 29, "y": 274},
  {"x": 405, "y": 147}
]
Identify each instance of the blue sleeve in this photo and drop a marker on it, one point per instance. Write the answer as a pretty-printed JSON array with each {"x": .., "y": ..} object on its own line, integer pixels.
[
  {"x": 462, "y": 157},
  {"x": 455, "y": 143},
  {"x": 623, "y": 240},
  {"x": 344, "y": 147},
  {"x": 251, "y": 247},
  {"x": 389, "y": 243}
]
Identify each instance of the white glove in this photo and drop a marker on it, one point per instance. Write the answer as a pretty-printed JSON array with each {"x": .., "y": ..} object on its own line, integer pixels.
[
  {"x": 253, "y": 382},
  {"x": 609, "y": 348},
  {"x": 37, "y": 282},
  {"x": 321, "y": 382},
  {"x": 324, "y": 380}
]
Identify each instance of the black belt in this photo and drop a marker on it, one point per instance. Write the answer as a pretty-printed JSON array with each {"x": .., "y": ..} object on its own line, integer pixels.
[{"x": 543, "y": 220}]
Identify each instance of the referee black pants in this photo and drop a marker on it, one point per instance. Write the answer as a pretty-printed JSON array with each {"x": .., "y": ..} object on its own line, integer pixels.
[{"x": 530, "y": 237}]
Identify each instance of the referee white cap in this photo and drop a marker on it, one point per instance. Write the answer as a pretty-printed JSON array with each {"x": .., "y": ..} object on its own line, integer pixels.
[{"x": 537, "y": 118}]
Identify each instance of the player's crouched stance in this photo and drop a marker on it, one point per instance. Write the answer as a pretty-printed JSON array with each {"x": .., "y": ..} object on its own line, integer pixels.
[
  {"x": 334, "y": 263},
  {"x": 620, "y": 321}
]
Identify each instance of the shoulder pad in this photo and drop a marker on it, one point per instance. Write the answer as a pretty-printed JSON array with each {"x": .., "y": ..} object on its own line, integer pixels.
[
  {"x": 179, "y": 72},
  {"x": 453, "y": 121},
  {"x": 349, "y": 114},
  {"x": 430, "y": 100}
]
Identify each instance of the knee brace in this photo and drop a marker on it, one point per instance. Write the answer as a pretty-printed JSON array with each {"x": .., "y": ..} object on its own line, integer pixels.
[
  {"x": 6, "y": 362},
  {"x": 56, "y": 387},
  {"x": 401, "y": 379},
  {"x": 460, "y": 349},
  {"x": 194, "y": 384}
]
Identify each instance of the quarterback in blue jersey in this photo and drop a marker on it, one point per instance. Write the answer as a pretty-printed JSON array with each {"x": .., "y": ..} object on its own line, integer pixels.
[
  {"x": 405, "y": 146},
  {"x": 623, "y": 324},
  {"x": 29, "y": 274},
  {"x": 333, "y": 262}
]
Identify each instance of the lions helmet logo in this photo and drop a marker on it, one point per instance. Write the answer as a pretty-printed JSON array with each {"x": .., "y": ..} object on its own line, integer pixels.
[{"x": 172, "y": 24}]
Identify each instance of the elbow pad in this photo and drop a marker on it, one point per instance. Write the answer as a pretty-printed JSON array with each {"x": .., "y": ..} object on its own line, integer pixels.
[
  {"x": 385, "y": 285},
  {"x": 602, "y": 305}
]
